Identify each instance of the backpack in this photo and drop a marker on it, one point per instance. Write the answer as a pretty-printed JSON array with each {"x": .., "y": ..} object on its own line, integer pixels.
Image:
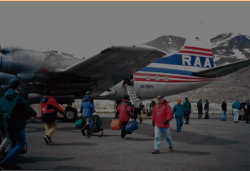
[{"x": 137, "y": 103}]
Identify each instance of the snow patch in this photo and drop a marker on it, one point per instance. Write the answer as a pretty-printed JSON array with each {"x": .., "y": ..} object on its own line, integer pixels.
[{"x": 239, "y": 54}]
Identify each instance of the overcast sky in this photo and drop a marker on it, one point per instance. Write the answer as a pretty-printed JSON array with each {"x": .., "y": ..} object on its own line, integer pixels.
[{"x": 86, "y": 28}]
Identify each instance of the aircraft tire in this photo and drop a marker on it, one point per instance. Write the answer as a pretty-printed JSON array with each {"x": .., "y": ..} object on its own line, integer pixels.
[{"x": 71, "y": 114}]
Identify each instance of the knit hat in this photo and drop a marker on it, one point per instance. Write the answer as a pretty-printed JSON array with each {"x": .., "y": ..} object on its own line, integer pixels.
[{"x": 14, "y": 82}]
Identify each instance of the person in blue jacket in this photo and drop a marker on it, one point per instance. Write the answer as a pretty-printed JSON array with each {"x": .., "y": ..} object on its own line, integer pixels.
[
  {"x": 179, "y": 111},
  {"x": 87, "y": 110},
  {"x": 236, "y": 106}
]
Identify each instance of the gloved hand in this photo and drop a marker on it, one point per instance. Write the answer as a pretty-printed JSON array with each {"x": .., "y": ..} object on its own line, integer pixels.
[
  {"x": 153, "y": 123},
  {"x": 166, "y": 122},
  {"x": 64, "y": 113}
]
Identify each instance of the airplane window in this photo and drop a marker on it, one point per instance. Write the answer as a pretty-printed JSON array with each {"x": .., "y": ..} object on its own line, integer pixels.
[
  {"x": 166, "y": 78},
  {"x": 157, "y": 78},
  {"x": 147, "y": 77}
]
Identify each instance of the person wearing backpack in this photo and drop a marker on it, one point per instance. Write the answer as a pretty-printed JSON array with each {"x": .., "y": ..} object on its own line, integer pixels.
[
  {"x": 49, "y": 109},
  {"x": 187, "y": 106},
  {"x": 138, "y": 107},
  {"x": 162, "y": 114},
  {"x": 15, "y": 110},
  {"x": 124, "y": 113},
  {"x": 87, "y": 110}
]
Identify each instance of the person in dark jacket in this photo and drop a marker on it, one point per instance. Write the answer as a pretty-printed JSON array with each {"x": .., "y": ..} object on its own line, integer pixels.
[
  {"x": 187, "y": 106},
  {"x": 247, "y": 112},
  {"x": 124, "y": 113},
  {"x": 199, "y": 106},
  {"x": 49, "y": 109},
  {"x": 15, "y": 110},
  {"x": 206, "y": 108},
  {"x": 5, "y": 141},
  {"x": 224, "y": 110},
  {"x": 87, "y": 110}
]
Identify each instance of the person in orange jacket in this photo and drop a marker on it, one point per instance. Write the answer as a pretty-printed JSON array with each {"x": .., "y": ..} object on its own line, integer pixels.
[
  {"x": 49, "y": 109},
  {"x": 125, "y": 113}
]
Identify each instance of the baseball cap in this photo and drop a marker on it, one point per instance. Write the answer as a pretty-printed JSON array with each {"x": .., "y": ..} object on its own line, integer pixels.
[{"x": 160, "y": 97}]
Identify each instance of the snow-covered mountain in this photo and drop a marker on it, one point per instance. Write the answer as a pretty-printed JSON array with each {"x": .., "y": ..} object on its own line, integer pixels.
[{"x": 230, "y": 47}]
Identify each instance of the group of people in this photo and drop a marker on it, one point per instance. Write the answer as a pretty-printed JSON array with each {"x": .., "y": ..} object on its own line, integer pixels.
[
  {"x": 200, "y": 109},
  {"x": 237, "y": 106},
  {"x": 14, "y": 110}
]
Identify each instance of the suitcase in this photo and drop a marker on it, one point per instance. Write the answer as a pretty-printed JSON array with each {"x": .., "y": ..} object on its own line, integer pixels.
[{"x": 115, "y": 124}]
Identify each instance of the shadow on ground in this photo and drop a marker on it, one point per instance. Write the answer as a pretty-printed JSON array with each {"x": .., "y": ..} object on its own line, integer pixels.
[
  {"x": 72, "y": 168},
  {"x": 22, "y": 159},
  {"x": 192, "y": 153}
]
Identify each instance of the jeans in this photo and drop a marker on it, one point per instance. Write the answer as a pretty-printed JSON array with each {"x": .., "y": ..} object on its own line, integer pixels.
[
  {"x": 17, "y": 145},
  {"x": 236, "y": 115},
  {"x": 179, "y": 122},
  {"x": 224, "y": 115},
  {"x": 157, "y": 140}
]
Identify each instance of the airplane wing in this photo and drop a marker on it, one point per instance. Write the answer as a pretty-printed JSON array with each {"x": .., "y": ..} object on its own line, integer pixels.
[
  {"x": 224, "y": 70},
  {"x": 114, "y": 64}
]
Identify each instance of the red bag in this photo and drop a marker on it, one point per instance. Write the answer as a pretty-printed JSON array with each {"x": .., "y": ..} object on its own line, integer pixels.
[{"x": 115, "y": 124}]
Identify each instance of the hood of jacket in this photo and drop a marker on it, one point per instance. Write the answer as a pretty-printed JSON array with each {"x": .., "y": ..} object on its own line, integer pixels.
[
  {"x": 10, "y": 94},
  {"x": 44, "y": 99},
  {"x": 85, "y": 98}
]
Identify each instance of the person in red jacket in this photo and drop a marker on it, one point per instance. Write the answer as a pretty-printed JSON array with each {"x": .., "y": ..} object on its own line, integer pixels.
[
  {"x": 124, "y": 112},
  {"x": 49, "y": 109},
  {"x": 162, "y": 115}
]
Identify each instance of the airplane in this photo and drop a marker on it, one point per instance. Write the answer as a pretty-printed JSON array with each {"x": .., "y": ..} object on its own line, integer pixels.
[{"x": 167, "y": 65}]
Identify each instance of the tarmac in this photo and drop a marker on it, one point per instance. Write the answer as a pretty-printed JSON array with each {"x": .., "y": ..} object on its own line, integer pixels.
[{"x": 201, "y": 145}]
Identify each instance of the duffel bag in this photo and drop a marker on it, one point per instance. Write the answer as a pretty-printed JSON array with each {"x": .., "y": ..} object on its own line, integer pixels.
[
  {"x": 79, "y": 123},
  {"x": 115, "y": 124},
  {"x": 131, "y": 126}
]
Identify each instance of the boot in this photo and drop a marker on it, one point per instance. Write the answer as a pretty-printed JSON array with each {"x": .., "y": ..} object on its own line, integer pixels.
[
  {"x": 140, "y": 120},
  {"x": 83, "y": 130}
]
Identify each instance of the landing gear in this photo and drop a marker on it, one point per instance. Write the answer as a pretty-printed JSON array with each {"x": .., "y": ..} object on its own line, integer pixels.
[{"x": 71, "y": 113}]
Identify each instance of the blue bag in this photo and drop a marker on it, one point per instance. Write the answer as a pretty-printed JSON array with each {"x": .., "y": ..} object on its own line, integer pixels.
[{"x": 131, "y": 126}]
